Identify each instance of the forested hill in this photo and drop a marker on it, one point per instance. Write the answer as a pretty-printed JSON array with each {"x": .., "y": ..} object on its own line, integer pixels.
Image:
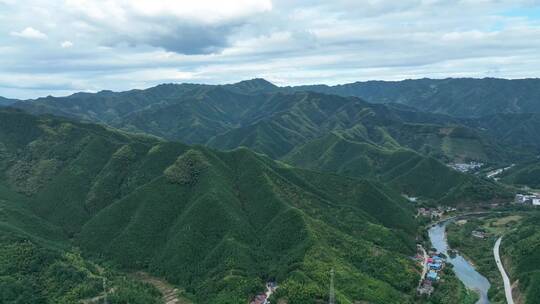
[
  {"x": 287, "y": 125},
  {"x": 254, "y": 114},
  {"x": 459, "y": 97},
  {"x": 6, "y": 101},
  {"x": 194, "y": 113},
  {"x": 217, "y": 223},
  {"x": 521, "y": 255}
]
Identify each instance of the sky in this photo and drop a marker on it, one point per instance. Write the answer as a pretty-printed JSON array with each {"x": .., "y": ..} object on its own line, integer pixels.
[{"x": 57, "y": 47}]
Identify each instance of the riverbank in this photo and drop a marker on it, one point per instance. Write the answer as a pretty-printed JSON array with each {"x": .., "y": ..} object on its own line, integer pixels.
[
  {"x": 478, "y": 250},
  {"x": 476, "y": 236},
  {"x": 466, "y": 273}
]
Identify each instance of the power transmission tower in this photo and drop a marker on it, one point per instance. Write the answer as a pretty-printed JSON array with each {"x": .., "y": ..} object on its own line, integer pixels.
[{"x": 332, "y": 296}]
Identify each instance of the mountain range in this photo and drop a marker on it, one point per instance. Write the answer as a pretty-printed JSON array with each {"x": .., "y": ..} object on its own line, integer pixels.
[
  {"x": 284, "y": 125},
  {"x": 221, "y": 188},
  {"x": 458, "y": 97},
  {"x": 216, "y": 223},
  {"x": 224, "y": 114}
]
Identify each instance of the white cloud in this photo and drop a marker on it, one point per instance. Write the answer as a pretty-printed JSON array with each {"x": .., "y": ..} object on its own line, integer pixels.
[
  {"x": 207, "y": 11},
  {"x": 122, "y": 44},
  {"x": 66, "y": 44},
  {"x": 30, "y": 33}
]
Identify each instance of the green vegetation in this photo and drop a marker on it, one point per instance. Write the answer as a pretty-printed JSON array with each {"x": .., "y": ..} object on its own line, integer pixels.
[
  {"x": 450, "y": 290},
  {"x": 518, "y": 131},
  {"x": 218, "y": 224},
  {"x": 390, "y": 143},
  {"x": 479, "y": 251},
  {"x": 32, "y": 273},
  {"x": 520, "y": 252},
  {"x": 525, "y": 174},
  {"x": 460, "y": 97},
  {"x": 274, "y": 121},
  {"x": 403, "y": 169}
]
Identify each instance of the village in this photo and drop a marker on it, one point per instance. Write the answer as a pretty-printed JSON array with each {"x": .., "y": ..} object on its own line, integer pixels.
[
  {"x": 432, "y": 265},
  {"x": 434, "y": 213},
  {"x": 466, "y": 167},
  {"x": 433, "y": 262}
]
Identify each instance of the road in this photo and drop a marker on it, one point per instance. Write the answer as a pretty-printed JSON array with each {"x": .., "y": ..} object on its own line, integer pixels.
[
  {"x": 425, "y": 268},
  {"x": 507, "y": 285}
]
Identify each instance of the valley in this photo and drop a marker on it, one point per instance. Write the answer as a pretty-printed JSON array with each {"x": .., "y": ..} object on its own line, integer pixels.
[
  {"x": 214, "y": 191},
  {"x": 269, "y": 152}
]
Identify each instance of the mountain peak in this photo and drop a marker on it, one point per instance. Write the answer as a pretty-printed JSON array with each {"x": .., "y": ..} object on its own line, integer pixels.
[{"x": 255, "y": 85}]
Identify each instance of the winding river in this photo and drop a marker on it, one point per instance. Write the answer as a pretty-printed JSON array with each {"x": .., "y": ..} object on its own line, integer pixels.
[{"x": 463, "y": 269}]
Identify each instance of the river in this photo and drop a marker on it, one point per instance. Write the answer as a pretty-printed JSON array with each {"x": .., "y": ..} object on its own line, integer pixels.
[{"x": 463, "y": 269}]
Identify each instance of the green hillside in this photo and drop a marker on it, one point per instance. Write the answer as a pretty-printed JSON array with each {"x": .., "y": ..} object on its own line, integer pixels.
[
  {"x": 33, "y": 273},
  {"x": 524, "y": 174},
  {"x": 287, "y": 126},
  {"x": 274, "y": 120},
  {"x": 403, "y": 169},
  {"x": 521, "y": 132},
  {"x": 302, "y": 117},
  {"x": 216, "y": 223},
  {"x": 521, "y": 251}
]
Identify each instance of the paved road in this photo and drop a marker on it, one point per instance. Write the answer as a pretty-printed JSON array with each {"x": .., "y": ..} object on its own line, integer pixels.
[{"x": 507, "y": 285}]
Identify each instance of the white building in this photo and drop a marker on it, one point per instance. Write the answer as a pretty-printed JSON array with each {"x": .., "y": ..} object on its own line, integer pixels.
[{"x": 528, "y": 199}]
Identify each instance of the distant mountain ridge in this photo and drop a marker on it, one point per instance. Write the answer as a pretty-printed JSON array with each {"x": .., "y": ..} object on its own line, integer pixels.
[
  {"x": 282, "y": 124},
  {"x": 6, "y": 101},
  {"x": 197, "y": 113},
  {"x": 459, "y": 97}
]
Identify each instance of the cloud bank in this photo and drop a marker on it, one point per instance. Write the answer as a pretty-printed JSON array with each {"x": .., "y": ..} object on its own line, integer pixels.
[{"x": 59, "y": 47}]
